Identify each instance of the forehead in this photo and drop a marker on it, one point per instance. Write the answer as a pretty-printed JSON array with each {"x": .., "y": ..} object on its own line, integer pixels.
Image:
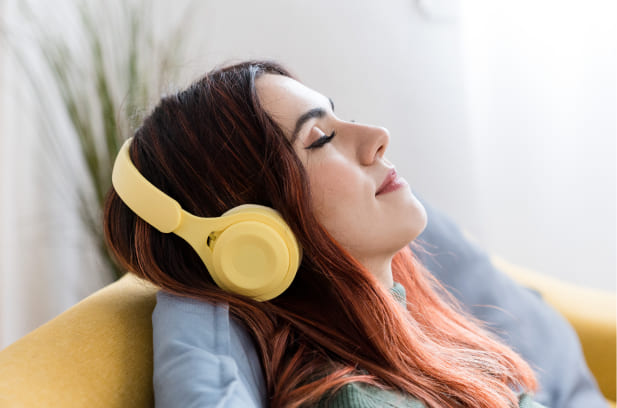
[{"x": 286, "y": 99}]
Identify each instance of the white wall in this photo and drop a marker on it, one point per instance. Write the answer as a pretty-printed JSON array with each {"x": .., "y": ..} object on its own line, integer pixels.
[
  {"x": 541, "y": 96},
  {"x": 501, "y": 113}
]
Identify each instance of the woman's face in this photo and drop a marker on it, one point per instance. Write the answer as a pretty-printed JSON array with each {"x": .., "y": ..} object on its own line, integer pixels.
[{"x": 345, "y": 172}]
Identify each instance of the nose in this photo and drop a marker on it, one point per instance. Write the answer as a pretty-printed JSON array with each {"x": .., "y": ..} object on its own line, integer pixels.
[{"x": 375, "y": 142}]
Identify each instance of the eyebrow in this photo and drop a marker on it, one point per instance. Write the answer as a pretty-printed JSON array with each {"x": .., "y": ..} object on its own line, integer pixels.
[{"x": 305, "y": 117}]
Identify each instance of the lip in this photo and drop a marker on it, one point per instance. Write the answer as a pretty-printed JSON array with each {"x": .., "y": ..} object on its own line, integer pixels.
[{"x": 391, "y": 182}]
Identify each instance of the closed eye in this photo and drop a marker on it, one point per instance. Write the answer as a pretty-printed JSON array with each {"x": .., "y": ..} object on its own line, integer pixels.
[{"x": 321, "y": 141}]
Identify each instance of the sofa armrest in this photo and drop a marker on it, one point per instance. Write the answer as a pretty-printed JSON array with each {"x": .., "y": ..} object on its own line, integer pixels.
[{"x": 591, "y": 312}]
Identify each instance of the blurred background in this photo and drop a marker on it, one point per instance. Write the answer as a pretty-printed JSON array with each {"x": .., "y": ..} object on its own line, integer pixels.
[{"x": 502, "y": 114}]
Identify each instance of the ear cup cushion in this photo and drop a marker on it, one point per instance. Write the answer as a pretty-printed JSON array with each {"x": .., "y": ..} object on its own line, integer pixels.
[{"x": 257, "y": 256}]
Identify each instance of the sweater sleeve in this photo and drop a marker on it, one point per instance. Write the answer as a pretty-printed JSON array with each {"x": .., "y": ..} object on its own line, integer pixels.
[{"x": 202, "y": 358}]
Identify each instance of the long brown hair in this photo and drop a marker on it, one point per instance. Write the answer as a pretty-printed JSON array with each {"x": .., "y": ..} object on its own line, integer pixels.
[{"x": 213, "y": 147}]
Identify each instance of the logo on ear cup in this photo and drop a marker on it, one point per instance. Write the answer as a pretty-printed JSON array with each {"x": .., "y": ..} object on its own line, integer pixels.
[{"x": 250, "y": 250}]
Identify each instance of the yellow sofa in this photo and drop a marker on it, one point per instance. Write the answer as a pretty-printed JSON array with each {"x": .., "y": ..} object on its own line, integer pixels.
[{"x": 99, "y": 352}]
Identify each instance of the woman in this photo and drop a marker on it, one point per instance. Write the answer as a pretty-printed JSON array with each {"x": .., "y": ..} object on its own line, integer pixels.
[{"x": 362, "y": 322}]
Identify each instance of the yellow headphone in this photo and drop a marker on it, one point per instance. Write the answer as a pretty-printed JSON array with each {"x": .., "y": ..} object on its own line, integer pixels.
[{"x": 249, "y": 250}]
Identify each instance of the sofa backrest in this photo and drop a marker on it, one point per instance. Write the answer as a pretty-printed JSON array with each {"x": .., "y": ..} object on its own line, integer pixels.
[{"x": 96, "y": 354}]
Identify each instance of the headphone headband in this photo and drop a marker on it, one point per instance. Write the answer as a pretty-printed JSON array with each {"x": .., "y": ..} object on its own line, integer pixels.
[{"x": 148, "y": 202}]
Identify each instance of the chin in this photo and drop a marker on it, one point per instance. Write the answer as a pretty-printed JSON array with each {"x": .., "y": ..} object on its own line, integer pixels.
[{"x": 407, "y": 233}]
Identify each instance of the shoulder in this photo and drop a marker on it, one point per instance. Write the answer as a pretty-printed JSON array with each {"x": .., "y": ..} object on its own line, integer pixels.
[{"x": 360, "y": 395}]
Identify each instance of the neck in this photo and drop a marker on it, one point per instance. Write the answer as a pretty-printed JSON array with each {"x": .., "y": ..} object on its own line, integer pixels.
[{"x": 382, "y": 270}]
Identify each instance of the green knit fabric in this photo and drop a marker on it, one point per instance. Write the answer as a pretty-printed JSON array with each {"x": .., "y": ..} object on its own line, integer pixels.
[{"x": 360, "y": 395}]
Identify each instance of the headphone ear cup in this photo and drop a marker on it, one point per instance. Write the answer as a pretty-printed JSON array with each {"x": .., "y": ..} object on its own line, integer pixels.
[{"x": 257, "y": 256}]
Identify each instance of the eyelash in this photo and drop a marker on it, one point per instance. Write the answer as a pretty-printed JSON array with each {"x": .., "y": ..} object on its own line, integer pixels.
[{"x": 322, "y": 141}]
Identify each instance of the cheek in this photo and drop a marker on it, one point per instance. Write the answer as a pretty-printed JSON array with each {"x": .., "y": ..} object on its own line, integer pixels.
[{"x": 335, "y": 188}]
